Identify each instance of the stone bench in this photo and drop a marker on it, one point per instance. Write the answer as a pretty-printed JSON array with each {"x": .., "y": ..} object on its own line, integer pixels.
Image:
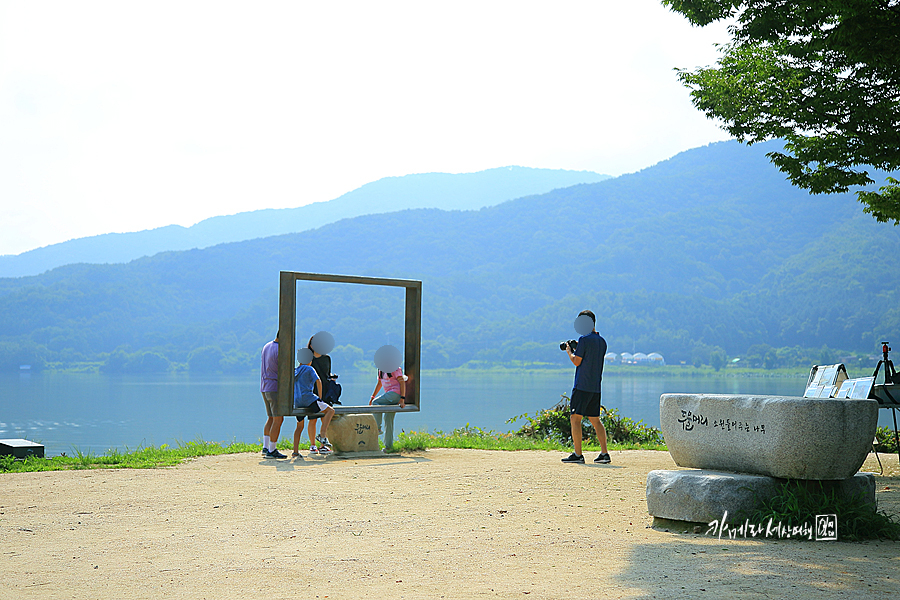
[
  {"x": 778, "y": 436},
  {"x": 353, "y": 433}
]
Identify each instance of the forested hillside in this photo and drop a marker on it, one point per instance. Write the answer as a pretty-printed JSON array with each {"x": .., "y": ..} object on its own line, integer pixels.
[
  {"x": 708, "y": 252},
  {"x": 464, "y": 191}
]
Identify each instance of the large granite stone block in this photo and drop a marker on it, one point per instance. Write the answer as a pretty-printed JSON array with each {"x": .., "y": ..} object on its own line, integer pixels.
[
  {"x": 778, "y": 436},
  {"x": 702, "y": 496},
  {"x": 353, "y": 433}
]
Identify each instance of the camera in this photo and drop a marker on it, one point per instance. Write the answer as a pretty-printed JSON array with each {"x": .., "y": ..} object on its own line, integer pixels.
[{"x": 571, "y": 343}]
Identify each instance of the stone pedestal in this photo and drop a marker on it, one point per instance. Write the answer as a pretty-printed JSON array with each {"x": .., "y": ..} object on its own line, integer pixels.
[
  {"x": 744, "y": 448},
  {"x": 703, "y": 496},
  {"x": 778, "y": 436},
  {"x": 353, "y": 433}
]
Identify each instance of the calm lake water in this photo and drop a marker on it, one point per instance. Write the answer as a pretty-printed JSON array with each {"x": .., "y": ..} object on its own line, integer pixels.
[{"x": 93, "y": 412}]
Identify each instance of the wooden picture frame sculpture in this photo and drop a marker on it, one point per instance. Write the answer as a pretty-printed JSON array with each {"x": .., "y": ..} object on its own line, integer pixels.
[{"x": 287, "y": 318}]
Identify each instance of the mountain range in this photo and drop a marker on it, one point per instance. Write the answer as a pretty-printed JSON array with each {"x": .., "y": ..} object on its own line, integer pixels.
[
  {"x": 711, "y": 249},
  {"x": 465, "y": 191}
]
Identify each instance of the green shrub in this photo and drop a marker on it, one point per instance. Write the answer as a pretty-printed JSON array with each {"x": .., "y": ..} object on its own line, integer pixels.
[
  {"x": 554, "y": 425},
  {"x": 885, "y": 440}
]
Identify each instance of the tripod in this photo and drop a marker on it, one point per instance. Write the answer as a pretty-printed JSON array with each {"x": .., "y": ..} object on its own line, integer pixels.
[{"x": 890, "y": 377}]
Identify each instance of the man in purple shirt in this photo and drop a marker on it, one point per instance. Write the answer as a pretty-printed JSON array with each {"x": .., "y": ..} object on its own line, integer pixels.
[{"x": 269, "y": 388}]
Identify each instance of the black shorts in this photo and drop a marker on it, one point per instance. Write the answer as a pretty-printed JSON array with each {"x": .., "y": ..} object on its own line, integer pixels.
[
  {"x": 317, "y": 405},
  {"x": 585, "y": 404}
]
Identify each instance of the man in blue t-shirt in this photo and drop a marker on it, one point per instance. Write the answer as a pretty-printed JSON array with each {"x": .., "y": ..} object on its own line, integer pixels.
[{"x": 588, "y": 360}]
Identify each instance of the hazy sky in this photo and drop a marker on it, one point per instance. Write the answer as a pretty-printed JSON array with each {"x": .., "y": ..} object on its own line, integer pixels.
[{"x": 123, "y": 116}]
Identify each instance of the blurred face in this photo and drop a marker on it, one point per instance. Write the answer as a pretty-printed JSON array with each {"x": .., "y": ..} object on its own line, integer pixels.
[
  {"x": 304, "y": 356},
  {"x": 584, "y": 325}
]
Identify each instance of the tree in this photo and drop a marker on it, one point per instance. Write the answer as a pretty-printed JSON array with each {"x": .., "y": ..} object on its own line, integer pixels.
[
  {"x": 762, "y": 356},
  {"x": 823, "y": 76},
  {"x": 117, "y": 361},
  {"x": 13, "y": 354},
  {"x": 206, "y": 359},
  {"x": 717, "y": 358},
  {"x": 700, "y": 355},
  {"x": 149, "y": 362}
]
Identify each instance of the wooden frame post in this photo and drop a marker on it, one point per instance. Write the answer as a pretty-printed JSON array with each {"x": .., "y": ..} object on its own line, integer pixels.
[
  {"x": 287, "y": 317},
  {"x": 287, "y": 321},
  {"x": 412, "y": 339}
]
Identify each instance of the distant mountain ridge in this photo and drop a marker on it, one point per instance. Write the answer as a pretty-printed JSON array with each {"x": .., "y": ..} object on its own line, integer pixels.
[
  {"x": 711, "y": 249},
  {"x": 464, "y": 191}
]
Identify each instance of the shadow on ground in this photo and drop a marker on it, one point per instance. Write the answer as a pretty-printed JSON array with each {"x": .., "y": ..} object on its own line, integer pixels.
[{"x": 771, "y": 568}]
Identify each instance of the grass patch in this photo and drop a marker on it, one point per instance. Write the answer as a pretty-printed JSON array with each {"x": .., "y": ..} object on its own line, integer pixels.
[
  {"x": 549, "y": 429},
  {"x": 469, "y": 437},
  {"x": 141, "y": 458},
  {"x": 799, "y": 502},
  {"x": 476, "y": 438}
]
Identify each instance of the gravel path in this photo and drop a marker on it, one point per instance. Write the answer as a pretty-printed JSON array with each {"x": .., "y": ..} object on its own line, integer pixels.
[{"x": 436, "y": 524}]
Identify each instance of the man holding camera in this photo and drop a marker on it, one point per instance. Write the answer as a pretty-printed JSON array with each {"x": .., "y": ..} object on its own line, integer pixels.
[{"x": 587, "y": 356}]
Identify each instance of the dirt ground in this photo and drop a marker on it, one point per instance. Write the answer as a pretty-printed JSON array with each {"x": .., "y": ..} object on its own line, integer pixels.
[{"x": 436, "y": 524}]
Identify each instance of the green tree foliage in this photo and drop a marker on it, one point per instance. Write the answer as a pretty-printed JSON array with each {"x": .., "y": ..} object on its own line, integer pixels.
[
  {"x": 145, "y": 361},
  {"x": 717, "y": 358},
  {"x": 116, "y": 362},
  {"x": 700, "y": 354},
  {"x": 237, "y": 362},
  {"x": 762, "y": 356},
  {"x": 151, "y": 362},
  {"x": 206, "y": 359},
  {"x": 15, "y": 353},
  {"x": 347, "y": 356},
  {"x": 824, "y": 76}
]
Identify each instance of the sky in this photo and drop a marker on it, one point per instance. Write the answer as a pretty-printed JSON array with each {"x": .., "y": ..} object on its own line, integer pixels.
[{"x": 124, "y": 116}]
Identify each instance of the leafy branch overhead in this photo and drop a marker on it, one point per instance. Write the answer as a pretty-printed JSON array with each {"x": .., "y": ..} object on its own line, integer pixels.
[{"x": 823, "y": 76}]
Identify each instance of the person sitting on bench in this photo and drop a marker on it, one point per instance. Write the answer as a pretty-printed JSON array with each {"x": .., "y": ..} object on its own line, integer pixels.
[
  {"x": 331, "y": 389},
  {"x": 394, "y": 384},
  {"x": 305, "y": 379}
]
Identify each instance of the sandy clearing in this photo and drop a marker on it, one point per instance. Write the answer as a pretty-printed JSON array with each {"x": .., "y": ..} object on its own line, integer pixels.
[{"x": 438, "y": 524}]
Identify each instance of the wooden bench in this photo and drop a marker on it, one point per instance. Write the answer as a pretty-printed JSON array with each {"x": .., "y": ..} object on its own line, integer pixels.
[{"x": 356, "y": 410}]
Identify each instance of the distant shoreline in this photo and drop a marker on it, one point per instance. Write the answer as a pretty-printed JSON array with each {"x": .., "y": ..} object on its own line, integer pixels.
[{"x": 533, "y": 368}]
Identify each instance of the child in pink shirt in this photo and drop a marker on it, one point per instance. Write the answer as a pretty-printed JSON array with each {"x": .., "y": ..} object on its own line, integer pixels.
[{"x": 394, "y": 385}]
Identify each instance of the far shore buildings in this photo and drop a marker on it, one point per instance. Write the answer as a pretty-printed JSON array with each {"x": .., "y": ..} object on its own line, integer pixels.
[{"x": 654, "y": 359}]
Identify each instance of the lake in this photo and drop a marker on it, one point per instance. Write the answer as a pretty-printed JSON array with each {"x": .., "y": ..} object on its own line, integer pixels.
[{"x": 94, "y": 412}]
